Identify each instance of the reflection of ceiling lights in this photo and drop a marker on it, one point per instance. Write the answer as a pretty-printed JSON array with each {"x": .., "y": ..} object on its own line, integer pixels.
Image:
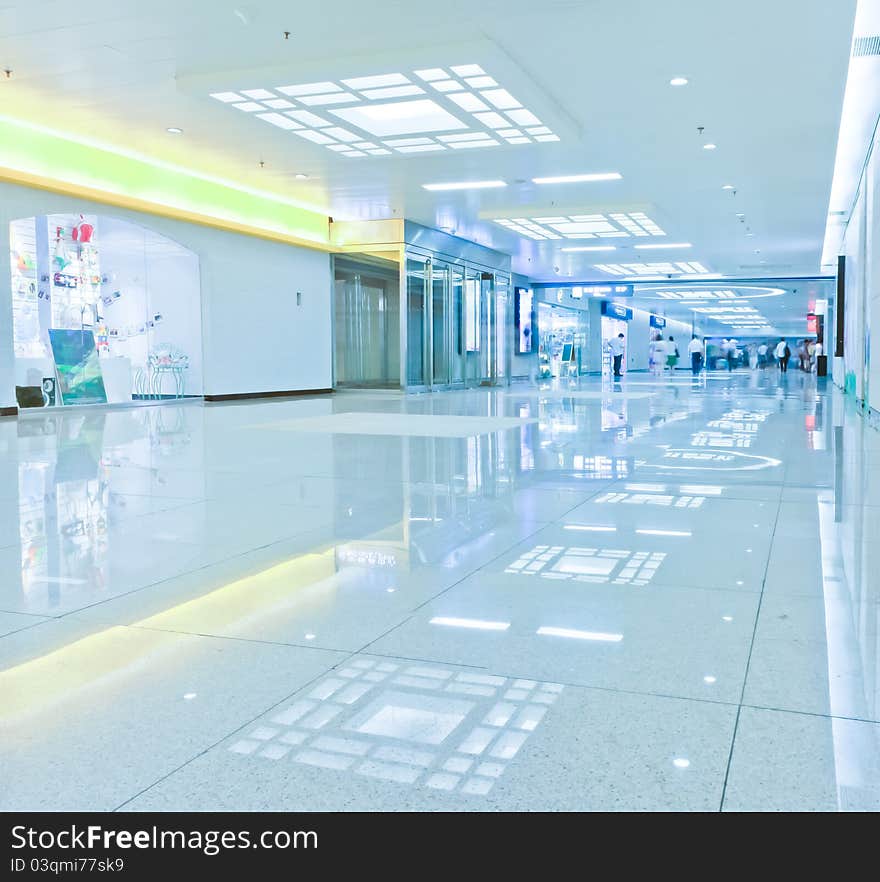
[
  {"x": 583, "y": 226},
  {"x": 678, "y": 81},
  {"x": 577, "y": 179},
  {"x": 454, "y": 109},
  {"x": 651, "y": 269}
]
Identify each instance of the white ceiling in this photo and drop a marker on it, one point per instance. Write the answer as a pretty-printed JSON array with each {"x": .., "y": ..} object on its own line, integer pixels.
[{"x": 766, "y": 82}]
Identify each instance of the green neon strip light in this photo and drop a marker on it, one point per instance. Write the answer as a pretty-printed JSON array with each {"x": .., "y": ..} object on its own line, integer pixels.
[{"x": 50, "y": 155}]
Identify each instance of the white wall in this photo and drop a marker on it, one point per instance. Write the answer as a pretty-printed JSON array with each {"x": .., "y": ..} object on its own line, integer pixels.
[
  {"x": 861, "y": 365},
  {"x": 255, "y": 337}
]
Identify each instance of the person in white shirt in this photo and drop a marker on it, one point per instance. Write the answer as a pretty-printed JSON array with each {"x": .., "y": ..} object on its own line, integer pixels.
[
  {"x": 618, "y": 347},
  {"x": 762, "y": 355},
  {"x": 782, "y": 353},
  {"x": 696, "y": 351},
  {"x": 818, "y": 350}
]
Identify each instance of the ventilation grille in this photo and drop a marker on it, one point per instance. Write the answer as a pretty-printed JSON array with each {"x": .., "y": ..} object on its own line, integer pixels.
[{"x": 863, "y": 46}]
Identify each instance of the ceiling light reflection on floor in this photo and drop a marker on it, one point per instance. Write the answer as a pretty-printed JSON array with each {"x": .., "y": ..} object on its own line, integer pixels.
[{"x": 416, "y": 724}]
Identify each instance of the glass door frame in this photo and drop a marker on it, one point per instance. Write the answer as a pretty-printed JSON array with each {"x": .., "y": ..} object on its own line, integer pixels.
[{"x": 489, "y": 363}]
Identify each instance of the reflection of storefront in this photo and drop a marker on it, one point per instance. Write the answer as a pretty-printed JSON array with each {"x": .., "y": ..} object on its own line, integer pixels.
[
  {"x": 561, "y": 341},
  {"x": 104, "y": 311},
  {"x": 614, "y": 322}
]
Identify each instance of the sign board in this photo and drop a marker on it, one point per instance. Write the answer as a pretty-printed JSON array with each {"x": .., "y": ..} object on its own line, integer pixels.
[
  {"x": 523, "y": 308},
  {"x": 657, "y": 321},
  {"x": 613, "y": 310}
]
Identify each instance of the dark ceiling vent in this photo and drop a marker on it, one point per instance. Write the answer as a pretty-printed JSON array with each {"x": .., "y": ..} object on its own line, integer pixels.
[{"x": 863, "y": 46}]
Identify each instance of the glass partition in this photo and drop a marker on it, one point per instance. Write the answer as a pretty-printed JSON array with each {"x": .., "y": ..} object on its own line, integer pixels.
[{"x": 367, "y": 313}]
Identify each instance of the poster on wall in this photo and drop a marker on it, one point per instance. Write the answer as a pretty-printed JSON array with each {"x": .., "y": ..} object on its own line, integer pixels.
[
  {"x": 80, "y": 380},
  {"x": 524, "y": 329}
]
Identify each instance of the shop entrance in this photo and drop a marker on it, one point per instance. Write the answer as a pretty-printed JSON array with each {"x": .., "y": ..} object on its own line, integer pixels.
[
  {"x": 455, "y": 320},
  {"x": 611, "y": 327},
  {"x": 561, "y": 341},
  {"x": 104, "y": 312}
]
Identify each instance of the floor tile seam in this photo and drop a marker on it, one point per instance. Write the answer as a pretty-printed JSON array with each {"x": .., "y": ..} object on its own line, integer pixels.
[
  {"x": 229, "y": 637},
  {"x": 748, "y": 661},
  {"x": 228, "y": 735},
  {"x": 815, "y": 714},
  {"x": 15, "y": 612}
]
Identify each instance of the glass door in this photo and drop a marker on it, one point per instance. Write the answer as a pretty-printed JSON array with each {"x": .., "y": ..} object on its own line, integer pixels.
[
  {"x": 473, "y": 328},
  {"x": 417, "y": 338},
  {"x": 488, "y": 308},
  {"x": 441, "y": 325},
  {"x": 457, "y": 350}
]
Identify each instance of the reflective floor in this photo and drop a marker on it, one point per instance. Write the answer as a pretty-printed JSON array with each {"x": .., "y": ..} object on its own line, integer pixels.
[{"x": 657, "y": 595}]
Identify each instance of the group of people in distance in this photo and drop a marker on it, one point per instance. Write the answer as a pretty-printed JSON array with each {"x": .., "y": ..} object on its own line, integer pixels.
[{"x": 665, "y": 354}]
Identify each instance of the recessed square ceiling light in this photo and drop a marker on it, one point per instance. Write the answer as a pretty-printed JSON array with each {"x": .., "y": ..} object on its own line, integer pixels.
[
  {"x": 280, "y": 120},
  {"x": 468, "y": 70},
  {"x": 379, "y": 151},
  {"x": 467, "y": 136},
  {"x": 309, "y": 89},
  {"x": 481, "y": 82},
  {"x": 376, "y": 82},
  {"x": 523, "y": 117},
  {"x": 502, "y": 99},
  {"x": 364, "y": 145},
  {"x": 420, "y": 148},
  {"x": 466, "y": 145},
  {"x": 353, "y": 153},
  {"x": 447, "y": 86},
  {"x": 406, "y": 142},
  {"x": 581, "y": 226},
  {"x": 307, "y": 118},
  {"x": 377, "y": 106},
  {"x": 341, "y": 134},
  {"x": 334, "y": 98},
  {"x": 468, "y": 101},
  {"x": 400, "y": 118},
  {"x": 431, "y": 74},
  {"x": 393, "y": 92},
  {"x": 316, "y": 137},
  {"x": 492, "y": 119}
]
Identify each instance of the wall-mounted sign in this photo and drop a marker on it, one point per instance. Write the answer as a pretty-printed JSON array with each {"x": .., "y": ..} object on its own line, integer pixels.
[
  {"x": 812, "y": 324},
  {"x": 613, "y": 310},
  {"x": 657, "y": 321},
  {"x": 523, "y": 319}
]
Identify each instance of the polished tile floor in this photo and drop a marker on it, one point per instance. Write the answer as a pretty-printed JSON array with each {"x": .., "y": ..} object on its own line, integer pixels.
[{"x": 661, "y": 595}]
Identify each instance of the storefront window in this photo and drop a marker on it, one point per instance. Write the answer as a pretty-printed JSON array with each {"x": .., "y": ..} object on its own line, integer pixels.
[{"x": 103, "y": 311}]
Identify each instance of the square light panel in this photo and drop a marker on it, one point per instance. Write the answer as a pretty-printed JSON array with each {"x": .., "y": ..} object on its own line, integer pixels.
[
  {"x": 459, "y": 107},
  {"x": 583, "y": 226}
]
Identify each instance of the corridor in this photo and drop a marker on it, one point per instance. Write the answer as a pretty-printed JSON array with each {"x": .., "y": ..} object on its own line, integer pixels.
[{"x": 656, "y": 595}]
